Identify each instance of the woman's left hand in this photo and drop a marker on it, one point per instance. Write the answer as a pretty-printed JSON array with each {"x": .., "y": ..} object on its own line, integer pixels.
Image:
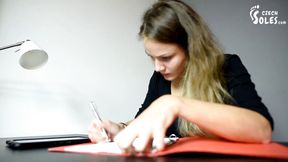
[{"x": 151, "y": 124}]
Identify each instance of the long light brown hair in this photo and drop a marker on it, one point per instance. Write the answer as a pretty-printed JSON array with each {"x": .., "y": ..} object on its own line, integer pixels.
[{"x": 173, "y": 21}]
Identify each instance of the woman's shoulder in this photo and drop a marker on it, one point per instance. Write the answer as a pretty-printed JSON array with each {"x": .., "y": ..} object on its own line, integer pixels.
[
  {"x": 231, "y": 59},
  {"x": 233, "y": 65}
]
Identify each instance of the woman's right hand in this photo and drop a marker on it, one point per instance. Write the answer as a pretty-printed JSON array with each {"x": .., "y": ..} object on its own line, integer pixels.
[{"x": 95, "y": 130}]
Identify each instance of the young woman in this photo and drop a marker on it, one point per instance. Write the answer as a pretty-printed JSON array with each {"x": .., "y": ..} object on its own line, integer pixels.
[{"x": 196, "y": 90}]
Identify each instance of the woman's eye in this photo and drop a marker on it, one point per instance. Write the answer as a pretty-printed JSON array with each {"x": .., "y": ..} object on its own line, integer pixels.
[{"x": 166, "y": 58}]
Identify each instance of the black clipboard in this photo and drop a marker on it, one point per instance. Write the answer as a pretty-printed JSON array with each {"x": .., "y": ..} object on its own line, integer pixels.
[{"x": 46, "y": 141}]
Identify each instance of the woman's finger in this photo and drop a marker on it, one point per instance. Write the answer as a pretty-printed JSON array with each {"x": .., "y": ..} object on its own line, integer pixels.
[
  {"x": 158, "y": 138},
  {"x": 125, "y": 138},
  {"x": 95, "y": 132},
  {"x": 111, "y": 128},
  {"x": 142, "y": 143}
]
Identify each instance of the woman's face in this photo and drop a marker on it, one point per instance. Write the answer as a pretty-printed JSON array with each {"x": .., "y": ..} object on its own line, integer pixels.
[{"x": 169, "y": 59}]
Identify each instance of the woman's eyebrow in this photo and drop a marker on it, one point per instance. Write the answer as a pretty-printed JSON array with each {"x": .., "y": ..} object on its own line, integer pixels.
[
  {"x": 162, "y": 55},
  {"x": 147, "y": 53}
]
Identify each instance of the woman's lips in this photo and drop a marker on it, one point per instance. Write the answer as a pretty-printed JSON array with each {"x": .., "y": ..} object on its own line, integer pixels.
[{"x": 166, "y": 75}]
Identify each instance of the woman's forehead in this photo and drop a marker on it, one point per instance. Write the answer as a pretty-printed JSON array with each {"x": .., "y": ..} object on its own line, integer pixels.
[{"x": 157, "y": 48}]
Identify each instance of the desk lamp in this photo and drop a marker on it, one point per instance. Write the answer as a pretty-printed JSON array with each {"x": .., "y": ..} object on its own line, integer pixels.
[{"x": 32, "y": 57}]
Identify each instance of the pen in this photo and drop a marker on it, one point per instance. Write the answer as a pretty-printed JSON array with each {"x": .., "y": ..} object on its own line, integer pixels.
[{"x": 99, "y": 120}]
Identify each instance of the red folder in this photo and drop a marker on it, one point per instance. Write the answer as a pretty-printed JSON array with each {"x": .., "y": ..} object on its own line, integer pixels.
[{"x": 203, "y": 145}]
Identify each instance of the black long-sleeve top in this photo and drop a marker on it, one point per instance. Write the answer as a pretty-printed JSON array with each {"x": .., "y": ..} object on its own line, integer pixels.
[{"x": 239, "y": 86}]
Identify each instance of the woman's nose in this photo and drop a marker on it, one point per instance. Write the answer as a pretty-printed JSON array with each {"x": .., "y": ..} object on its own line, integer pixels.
[{"x": 158, "y": 66}]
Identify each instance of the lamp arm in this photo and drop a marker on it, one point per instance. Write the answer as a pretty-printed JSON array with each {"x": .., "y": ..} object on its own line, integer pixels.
[{"x": 12, "y": 45}]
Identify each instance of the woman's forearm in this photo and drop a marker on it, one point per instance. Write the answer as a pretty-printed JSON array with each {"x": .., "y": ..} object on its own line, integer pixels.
[{"x": 229, "y": 122}]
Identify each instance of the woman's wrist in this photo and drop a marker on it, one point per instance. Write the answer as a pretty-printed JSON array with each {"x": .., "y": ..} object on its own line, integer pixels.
[
  {"x": 122, "y": 125},
  {"x": 176, "y": 104},
  {"x": 180, "y": 105}
]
